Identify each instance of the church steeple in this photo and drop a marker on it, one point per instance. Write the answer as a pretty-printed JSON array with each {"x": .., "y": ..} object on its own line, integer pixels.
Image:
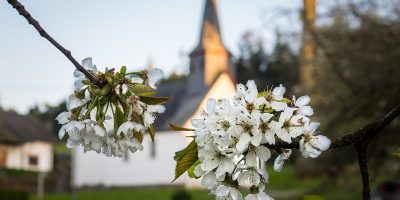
[
  {"x": 210, "y": 57},
  {"x": 210, "y": 31}
]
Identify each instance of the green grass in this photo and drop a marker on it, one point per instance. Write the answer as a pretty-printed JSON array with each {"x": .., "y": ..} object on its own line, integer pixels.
[
  {"x": 17, "y": 173},
  {"x": 283, "y": 185},
  {"x": 129, "y": 194},
  {"x": 286, "y": 179}
]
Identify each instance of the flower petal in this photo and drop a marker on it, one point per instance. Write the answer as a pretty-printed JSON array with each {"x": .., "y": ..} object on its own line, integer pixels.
[
  {"x": 284, "y": 135},
  {"x": 251, "y": 159},
  {"x": 87, "y": 63},
  {"x": 210, "y": 105},
  {"x": 321, "y": 142},
  {"x": 278, "y": 163},
  {"x": 136, "y": 79},
  {"x": 256, "y": 139},
  {"x": 302, "y": 101},
  {"x": 209, "y": 180},
  {"x": 278, "y": 92},
  {"x": 278, "y": 106},
  {"x": 263, "y": 153},
  {"x": 63, "y": 117},
  {"x": 306, "y": 110},
  {"x": 313, "y": 126},
  {"x": 296, "y": 131},
  {"x": 244, "y": 141}
]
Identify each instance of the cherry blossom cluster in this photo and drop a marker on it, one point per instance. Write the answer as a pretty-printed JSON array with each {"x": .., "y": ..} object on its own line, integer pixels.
[
  {"x": 111, "y": 118},
  {"x": 233, "y": 134}
]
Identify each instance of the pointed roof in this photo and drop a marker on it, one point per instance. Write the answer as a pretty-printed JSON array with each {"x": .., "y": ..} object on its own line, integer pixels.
[{"x": 210, "y": 37}]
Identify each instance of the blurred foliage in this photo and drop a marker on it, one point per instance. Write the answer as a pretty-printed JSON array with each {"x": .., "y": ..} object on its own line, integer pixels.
[
  {"x": 181, "y": 195},
  {"x": 357, "y": 83},
  {"x": 13, "y": 194},
  {"x": 48, "y": 115},
  {"x": 267, "y": 69},
  {"x": 17, "y": 173},
  {"x": 360, "y": 81},
  {"x": 313, "y": 197}
]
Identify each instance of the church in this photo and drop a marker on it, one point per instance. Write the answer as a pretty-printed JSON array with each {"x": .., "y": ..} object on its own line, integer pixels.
[{"x": 212, "y": 75}]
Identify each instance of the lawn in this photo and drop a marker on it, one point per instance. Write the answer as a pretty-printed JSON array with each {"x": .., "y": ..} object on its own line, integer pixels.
[
  {"x": 130, "y": 194},
  {"x": 283, "y": 185}
]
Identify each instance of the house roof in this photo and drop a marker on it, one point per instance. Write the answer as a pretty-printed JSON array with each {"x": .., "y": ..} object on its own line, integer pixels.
[
  {"x": 16, "y": 128},
  {"x": 182, "y": 104}
]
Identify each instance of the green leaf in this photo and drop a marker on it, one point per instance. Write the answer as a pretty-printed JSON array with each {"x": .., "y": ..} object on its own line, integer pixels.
[
  {"x": 86, "y": 82},
  {"x": 153, "y": 100},
  {"x": 190, "y": 171},
  {"x": 284, "y": 100},
  {"x": 181, "y": 153},
  {"x": 152, "y": 132},
  {"x": 119, "y": 118},
  {"x": 109, "y": 78},
  {"x": 179, "y": 128},
  {"x": 123, "y": 70},
  {"x": 261, "y": 94},
  {"x": 117, "y": 77},
  {"x": 188, "y": 157},
  {"x": 142, "y": 90},
  {"x": 313, "y": 197},
  {"x": 105, "y": 90}
]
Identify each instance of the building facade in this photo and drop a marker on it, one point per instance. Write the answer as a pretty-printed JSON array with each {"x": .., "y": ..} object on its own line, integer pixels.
[{"x": 25, "y": 143}]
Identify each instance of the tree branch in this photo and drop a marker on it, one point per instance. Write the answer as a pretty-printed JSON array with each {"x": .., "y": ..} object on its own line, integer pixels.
[
  {"x": 361, "y": 149},
  {"x": 360, "y": 139},
  {"x": 368, "y": 131},
  {"x": 22, "y": 11}
]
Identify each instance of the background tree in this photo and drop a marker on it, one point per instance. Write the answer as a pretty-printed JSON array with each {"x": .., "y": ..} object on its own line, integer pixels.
[
  {"x": 358, "y": 74},
  {"x": 267, "y": 69}
]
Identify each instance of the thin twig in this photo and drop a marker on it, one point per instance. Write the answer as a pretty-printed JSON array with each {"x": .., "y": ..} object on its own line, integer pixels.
[
  {"x": 22, "y": 11},
  {"x": 361, "y": 149},
  {"x": 368, "y": 131}
]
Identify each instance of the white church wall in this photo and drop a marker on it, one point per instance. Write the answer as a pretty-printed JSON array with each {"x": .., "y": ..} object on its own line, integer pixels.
[
  {"x": 223, "y": 87},
  {"x": 138, "y": 169}
]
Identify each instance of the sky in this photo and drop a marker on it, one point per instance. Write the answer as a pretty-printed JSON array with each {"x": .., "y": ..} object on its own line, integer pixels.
[{"x": 115, "y": 33}]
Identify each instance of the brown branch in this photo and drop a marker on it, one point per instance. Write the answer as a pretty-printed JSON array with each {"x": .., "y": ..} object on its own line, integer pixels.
[
  {"x": 22, "y": 11},
  {"x": 368, "y": 131},
  {"x": 360, "y": 139},
  {"x": 361, "y": 149}
]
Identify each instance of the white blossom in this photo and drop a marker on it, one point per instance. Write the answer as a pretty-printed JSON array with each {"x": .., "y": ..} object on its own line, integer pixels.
[
  {"x": 276, "y": 97},
  {"x": 227, "y": 193},
  {"x": 258, "y": 196},
  {"x": 312, "y": 145},
  {"x": 233, "y": 135},
  {"x": 111, "y": 118},
  {"x": 149, "y": 114},
  {"x": 280, "y": 160},
  {"x": 301, "y": 103},
  {"x": 154, "y": 75}
]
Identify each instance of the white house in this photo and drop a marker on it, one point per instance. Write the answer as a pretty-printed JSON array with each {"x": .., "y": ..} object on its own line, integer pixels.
[
  {"x": 25, "y": 143},
  {"x": 211, "y": 75}
]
